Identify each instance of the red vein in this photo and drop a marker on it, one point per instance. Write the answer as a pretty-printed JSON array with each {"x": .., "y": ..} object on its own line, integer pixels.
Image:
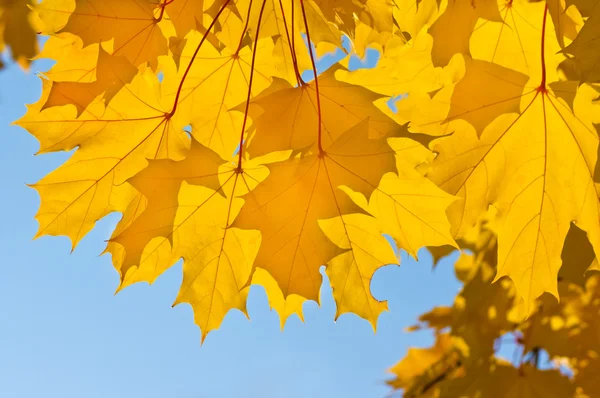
[
  {"x": 246, "y": 28},
  {"x": 292, "y": 50},
  {"x": 543, "y": 83},
  {"x": 293, "y": 35},
  {"x": 314, "y": 67},
  {"x": 162, "y": 10},
  {"x": 187, "y": 70},
  {"x": 240, "y": 151}
]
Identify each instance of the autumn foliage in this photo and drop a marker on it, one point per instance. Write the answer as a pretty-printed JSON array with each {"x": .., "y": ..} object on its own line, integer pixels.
[
  {"x": 203, "y": 123},
  {"x": 16, "y": 31},
  {"x": 485, "y": 347}
]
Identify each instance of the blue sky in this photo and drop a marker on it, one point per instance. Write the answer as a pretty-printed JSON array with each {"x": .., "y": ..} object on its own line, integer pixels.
[{"x": 63, "y": 333}]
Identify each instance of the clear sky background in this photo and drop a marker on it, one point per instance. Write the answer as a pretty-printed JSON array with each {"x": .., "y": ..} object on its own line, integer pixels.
[{"x": 64, "y": 334}]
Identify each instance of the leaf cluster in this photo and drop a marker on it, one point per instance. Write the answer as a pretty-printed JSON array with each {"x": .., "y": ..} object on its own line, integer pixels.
[
  {"x": 554, "y": 350},
  {"x": 209, "y": 127}
]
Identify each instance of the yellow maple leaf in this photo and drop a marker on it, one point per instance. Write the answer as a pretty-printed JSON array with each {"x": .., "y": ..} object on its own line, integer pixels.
[
  {"x": 217, "y": 259},
  {"x": 585, "y": 53},
  {"x": 189, "y": 208},
  {"x": 528, "y": 188},
  {"x": 16, "y": 31},
  {"x": 403, "y": 205},
  {"x": 132, "y": 26},
  {"x": 299, "y": 192},
  {"x": 287, "y": 117},
  {"x": 298, "y": 197},
  {"x": 83, "y": 195}
]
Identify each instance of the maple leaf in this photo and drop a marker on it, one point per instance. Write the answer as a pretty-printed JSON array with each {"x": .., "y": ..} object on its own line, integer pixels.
[
  {"x": 287, "y": 206},
  {"x": 409, "y": 198},
  {"x": 586, "y": 54},
  {"x": 218, "y": 259},
  {"x": 527, "y": 188},
  {"x": 82, "y": 195},
  {"x": 287, "y": 117},
  {"x": 529, "y": 201},
  {"x": 16, "y": 31},
  {"x": 131, "y": 26},
  {"x": 190, "y": 207}
]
